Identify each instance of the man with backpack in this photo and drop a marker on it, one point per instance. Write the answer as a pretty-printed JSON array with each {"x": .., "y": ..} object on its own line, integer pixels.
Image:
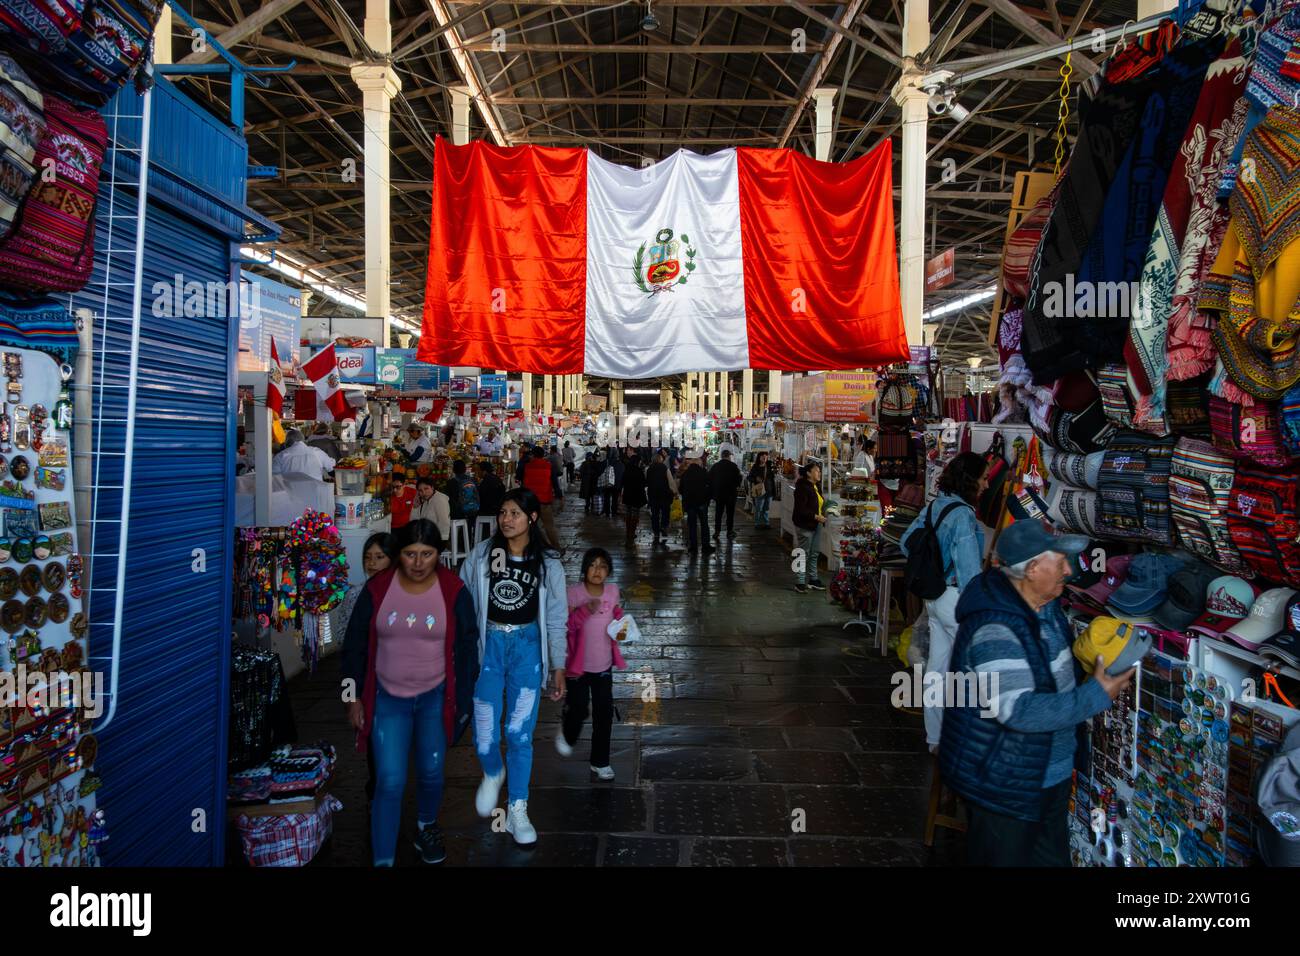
[
  {"x": 462, "y": 490},
  {"x": 944, "y": 545}
]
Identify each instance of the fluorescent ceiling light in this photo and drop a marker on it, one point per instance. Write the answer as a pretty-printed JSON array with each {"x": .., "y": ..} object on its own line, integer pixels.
[
  {"x": 640, "y": 391},
  {"x": 981, "y": 296},
  {"x": 305, "y": 276}
]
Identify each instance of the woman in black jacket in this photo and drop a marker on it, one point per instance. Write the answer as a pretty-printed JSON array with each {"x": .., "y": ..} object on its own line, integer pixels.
[
  {"x": 808, "y": 520},
  {"x": 410, "y": 661},
  {"x": 634, "y": 494},
  {"x": 660, "y": 495}
]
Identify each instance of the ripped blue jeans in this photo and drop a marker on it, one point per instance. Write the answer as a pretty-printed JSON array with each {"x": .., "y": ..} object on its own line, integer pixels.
[{"x": 511, "y": 668}]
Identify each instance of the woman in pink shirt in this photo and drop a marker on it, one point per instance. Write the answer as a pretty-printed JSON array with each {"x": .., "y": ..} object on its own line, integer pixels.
[
  {"x": 593, "y": 604},
  {"x": 411, "y": 654}
]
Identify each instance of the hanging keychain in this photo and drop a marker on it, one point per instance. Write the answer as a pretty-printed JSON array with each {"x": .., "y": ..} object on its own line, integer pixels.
[{"x": 63, "y": 407}]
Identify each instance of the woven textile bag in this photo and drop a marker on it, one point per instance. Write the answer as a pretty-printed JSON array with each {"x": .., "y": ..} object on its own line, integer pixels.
[{"x": 52, "y": 248}]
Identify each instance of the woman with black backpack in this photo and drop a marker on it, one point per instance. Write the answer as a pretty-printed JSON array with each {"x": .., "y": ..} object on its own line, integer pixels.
[{"x": 950, "y": 517}]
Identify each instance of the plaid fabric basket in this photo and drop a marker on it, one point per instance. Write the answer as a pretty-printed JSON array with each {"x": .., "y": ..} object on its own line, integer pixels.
[{"x": 293, "y": 839}]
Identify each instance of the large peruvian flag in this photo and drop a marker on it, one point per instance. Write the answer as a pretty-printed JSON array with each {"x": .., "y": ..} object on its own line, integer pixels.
[{"x": 556, "y": 261}]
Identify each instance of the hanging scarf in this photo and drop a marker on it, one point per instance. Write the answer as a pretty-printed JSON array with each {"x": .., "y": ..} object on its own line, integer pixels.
[
  {"x": 1256, "y": 335},
  {"x": 1108, "y": 126},
  {"x": 1118, "y": 250},
  {"x": 1267, "y": 86},
  {"x": 1176, "y": 257}
]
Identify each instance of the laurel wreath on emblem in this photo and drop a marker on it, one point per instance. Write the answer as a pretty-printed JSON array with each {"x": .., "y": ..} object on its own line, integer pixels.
[{"x": 638, "y": 267}]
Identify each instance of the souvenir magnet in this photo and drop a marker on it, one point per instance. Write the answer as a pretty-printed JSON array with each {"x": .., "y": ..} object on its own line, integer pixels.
[
  {"x": 11, "y": 616},
  {"x": 36, "y": 612},
  {"x": 6, "y": 431},
  {"x": 4, "y": 467},
  {"x": 40, "y": 418},
  {"x": 41, "y": 547},
  {"x": 58, "y": 608},
  {"x": 78, "y": 626},
  {"x": 8, "y": 583},
  {"x": 20, "y": 467},
  {"x": 6, "y": 550},
  {"x": 50, "y": 478},
  {"x": 53, "y": 577},
  {"x": 22, "y": 428},
  {"x": 29, "y": 580}
]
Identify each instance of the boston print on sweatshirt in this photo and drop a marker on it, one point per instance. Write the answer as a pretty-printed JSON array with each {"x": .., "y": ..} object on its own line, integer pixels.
[{"x": 556, "y": 261}]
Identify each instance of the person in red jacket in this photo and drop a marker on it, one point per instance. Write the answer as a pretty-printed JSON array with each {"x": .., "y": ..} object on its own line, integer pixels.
[{"x": 539, "y": 478}]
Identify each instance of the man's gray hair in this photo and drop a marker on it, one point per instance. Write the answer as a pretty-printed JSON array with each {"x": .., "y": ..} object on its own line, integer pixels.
[
  {"x": 1017, "y": 572},
  {"x": 292, "y": 437}
]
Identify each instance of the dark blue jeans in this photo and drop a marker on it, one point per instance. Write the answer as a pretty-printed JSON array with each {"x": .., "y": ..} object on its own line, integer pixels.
[
  {"x": 698, "y": 514},
  {"x": 397, "y": 721},
  {"x": 660, "y": 516}
]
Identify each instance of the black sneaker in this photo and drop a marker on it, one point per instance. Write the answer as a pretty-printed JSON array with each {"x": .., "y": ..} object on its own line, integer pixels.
[
  {"x": 817, "y": 585},
  {"x": 801, "y": 588},
  {"x": 429, "y": 843}
]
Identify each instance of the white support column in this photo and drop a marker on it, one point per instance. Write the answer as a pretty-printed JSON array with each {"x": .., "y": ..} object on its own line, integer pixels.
[
  {"x": 774, "y": 390},
  {"x": 914, "y": 102},
  {"x": 162, "y": 38},
  {"x": 379, "y": 83},
  {"x": 1149, "y": 8},
  {"x": 824, "y": 99},
  {"x": 548, "y": 394},
  {"x": 528, "y": 391},
  {"x": 460, "y": 99},
  {"x": 747, "y": 393}
]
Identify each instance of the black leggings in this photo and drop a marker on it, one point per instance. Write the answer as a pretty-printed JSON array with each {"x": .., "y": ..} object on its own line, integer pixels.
[{"x": 599, "y": 690}]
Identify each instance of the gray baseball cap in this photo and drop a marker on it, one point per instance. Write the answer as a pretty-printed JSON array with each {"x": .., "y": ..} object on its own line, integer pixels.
[{"x": 1031, "y": 537}]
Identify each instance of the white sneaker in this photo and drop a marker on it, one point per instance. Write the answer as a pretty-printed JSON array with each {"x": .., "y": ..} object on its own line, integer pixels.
[
  {"x": 518, "y": 825},
  {"x": 485, "y": 801},
  {"x": 604, "y": 773},
  {"x": 562, "y": 746}
]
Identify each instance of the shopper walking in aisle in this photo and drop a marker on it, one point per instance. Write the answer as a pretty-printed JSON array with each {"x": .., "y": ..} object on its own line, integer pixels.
[
  {"x": 762, "y": 486},
  {"x": 592, "y": 655},
  {"x": 588, "y": 474},
  {"x": 557, "y": 469},
  {"x": 694, "y": 485},
  {"x": 950, "y": 517},
  {"x": 1010, "y": 754},
  {"x": 491, "y": 490},
  {"x": 807, "y": 517},
  {"x": 517, "y": 582},
  {"x": 411, "y": 651},
  {"x": 539, "y": 478},
  {"x": 432, "y": 505},
  {"x": 376, "y": 556},
  {"x": 634, "y": 494},
  {"x": 608, "y": 482},
  {"x": 724, "y": 482},
  {"x": 569, "y": 457},
  {"x": 468, "y": 489},
  {"x": 661, "y": 489}
]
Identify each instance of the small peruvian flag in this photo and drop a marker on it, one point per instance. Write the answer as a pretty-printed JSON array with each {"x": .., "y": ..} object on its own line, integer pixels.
[
  {"x": 431, "y": 407},
  {"x": 323, "y": 372},
  {"x": 275, "y": 384}
]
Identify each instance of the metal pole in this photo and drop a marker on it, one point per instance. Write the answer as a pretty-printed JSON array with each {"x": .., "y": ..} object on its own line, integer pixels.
[{"x": 132, "y": 388}]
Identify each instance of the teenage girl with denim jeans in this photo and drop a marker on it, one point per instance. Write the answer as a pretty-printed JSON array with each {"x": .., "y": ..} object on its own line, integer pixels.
[
  {"x": 517, "y": 583},
  {"x": 410, "y": 654}
]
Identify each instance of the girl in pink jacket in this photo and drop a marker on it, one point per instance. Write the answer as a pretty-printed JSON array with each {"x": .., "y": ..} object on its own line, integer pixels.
[{"x": 592, "y": 655}]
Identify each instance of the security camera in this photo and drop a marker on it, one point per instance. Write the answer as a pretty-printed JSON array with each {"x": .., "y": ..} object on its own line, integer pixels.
[{"x": 958, "y": 112}]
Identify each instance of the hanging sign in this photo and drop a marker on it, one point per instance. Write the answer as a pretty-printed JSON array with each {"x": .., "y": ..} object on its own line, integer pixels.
[
  {"x": 810, "y": 398},
  {"x": 268, "y": 310},
  {"x": 389, "y": 369},
  {"x": 492, "y": 389},
  {"x": 356, "y": 365},
  {"x": 514, "y": 395},
  {"x": 419, "y": 376},
  {"x": 463, "y": 388},
  {"x": 850, "y": 396},
  {"x": 940, "y": 271}
]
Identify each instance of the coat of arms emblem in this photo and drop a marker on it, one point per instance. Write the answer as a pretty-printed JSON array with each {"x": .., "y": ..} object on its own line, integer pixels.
[{"x": 659, "y": 267}]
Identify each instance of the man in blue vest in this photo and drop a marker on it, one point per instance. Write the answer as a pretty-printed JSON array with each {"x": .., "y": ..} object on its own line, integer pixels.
[{"x": 1010, "y": 754}]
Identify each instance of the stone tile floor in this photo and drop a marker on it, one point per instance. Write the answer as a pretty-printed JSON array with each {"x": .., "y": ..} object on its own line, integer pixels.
[{"x": 770, "y": 740}]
